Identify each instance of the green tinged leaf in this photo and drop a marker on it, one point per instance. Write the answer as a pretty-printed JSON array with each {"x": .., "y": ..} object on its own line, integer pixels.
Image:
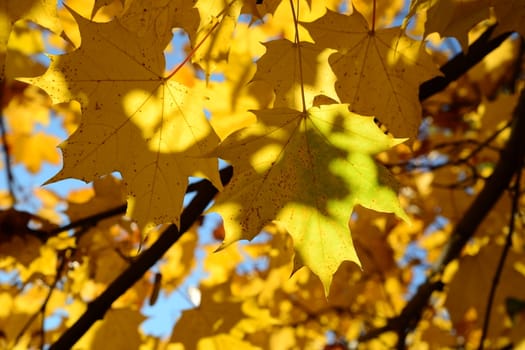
[{"x": 307, "y": 170}]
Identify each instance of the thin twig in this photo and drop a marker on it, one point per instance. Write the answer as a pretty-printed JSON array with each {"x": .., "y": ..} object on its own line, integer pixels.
[
  {"x": 299, "y": 54},
  {"x": 5, "y": 145},
  {"x": 42, "y": 309},
  {"x": 480, "y": 146},
  {"x": 503, "y": 257},
  {"x": 91, "y": 220}
]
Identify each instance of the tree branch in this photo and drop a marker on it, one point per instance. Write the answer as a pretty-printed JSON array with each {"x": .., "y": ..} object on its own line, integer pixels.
[
  {"x": 461, "y": 63},
  {"x": 503, "y": 256},
  {"x": 5, "y": 145},
  {"x": 97, "y": 308}
]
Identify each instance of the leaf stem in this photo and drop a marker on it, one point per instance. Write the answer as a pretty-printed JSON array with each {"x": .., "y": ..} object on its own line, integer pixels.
[
  {"x": 373, "y": 16},
  {"x": 298, "y": 43},
  {"x": 42, "y": 309},
  {"x": 5, "y": 145}
]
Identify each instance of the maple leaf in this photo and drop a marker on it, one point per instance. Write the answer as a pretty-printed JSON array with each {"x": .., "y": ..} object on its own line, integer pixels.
[
  {"x": 149, "y": 128},
  {"x": 306, "y": 170},
  {"x": 280, "y": 66},
  {"x": 451, "y": 17},
  {"x": 378, "y": 72},
  {"x": 32, "y": 150}
]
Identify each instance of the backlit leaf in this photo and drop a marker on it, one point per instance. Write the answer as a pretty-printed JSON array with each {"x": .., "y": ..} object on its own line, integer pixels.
[
  {"x": 378, "y": 72},
  {"x": 321, "y": 164},
  {"x": 149, "y": 128}
]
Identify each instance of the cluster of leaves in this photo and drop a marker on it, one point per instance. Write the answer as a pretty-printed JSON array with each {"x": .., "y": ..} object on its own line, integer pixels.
[{"x": 367, "y": 157}]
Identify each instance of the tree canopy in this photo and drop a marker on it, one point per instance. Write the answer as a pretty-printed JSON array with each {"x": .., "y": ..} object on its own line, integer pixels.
[{"x": 304, "y": 174}]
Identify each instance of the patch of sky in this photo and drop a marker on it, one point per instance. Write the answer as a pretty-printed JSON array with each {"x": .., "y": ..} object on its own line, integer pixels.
[
  {"x": 449, "y": 44},
  {"x": 439, "y": 223},
  {"x": 427, "y": 162},
  {"x": 175, "y": 52},
  {"x": 54, "y": 320},
  {"x": 415, "y": 253},
  {"x": 250, "y": 264},
  {"x": 9, "y": 277},
  {"x": 343, "y": 7},
  {"x": 188, "y": 198},
  {"x": 402, "y": 14},
  {"x": 162, "y": 316},
  {"x": 218, "y": 77},
  {"x": 424, "y": 129},
  {"x": 245, "y": 18},
  {"x": 207, "y": 113},
  {"x": 49, "y": 48}
]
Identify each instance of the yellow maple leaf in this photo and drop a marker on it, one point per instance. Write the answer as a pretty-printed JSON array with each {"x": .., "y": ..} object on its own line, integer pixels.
[
  {"x": 26, "y": 110},
  {"x": 378, "y": 73},
  {"x": 293, "y": 77},
  {"x": 34, "y": 149},
  {"x": 149, "y": 128},
  {"x": 306, "y": 170}
]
